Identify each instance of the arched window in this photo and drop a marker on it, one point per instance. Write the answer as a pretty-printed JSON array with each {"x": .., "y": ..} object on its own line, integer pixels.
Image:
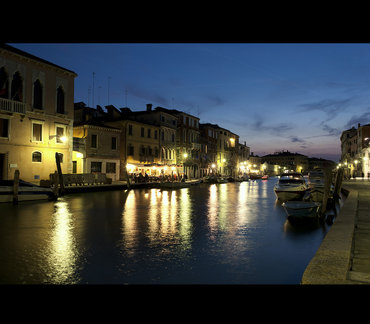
[
  {"x": 36, "y": 156},
  {"x": 4, "y": 84},
  {"x": 37, "y": 94},
  {"x": 60, "y": 100},
  {"x": 17, "y": 87}
]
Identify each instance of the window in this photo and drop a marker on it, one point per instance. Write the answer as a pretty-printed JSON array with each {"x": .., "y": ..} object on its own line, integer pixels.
[
  {"x": 173, "y": 138},
  {"x": 149, "y": 135},
  {"x": 74, "y": 166},
  {"x": 60, "y": 100},
  {"x": 130, "y": 129},
  {"x": 59, "y": 133},
  {"x": 37, "y": 94},
  {"x": 36, "y": 157},
  {"x": 142, "y": 131},
  {"x": 4, "y": 127},
  {"x": 95, "y": 166},
  {"x": 36, "y": 132},
  {"x": 130, "y": 150},
  {"x": 4, "y": 84},
  {"x": 110, "y": 167},
  {"x": 17, "y": 87},
  {"x": 114, "y": 143},
  {"x": 156, "y": 134},
  {"x": 94, "y": 140}
]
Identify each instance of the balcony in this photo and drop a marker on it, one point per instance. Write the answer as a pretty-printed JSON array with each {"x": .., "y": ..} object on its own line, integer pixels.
[{"x": 12, "y": 106}]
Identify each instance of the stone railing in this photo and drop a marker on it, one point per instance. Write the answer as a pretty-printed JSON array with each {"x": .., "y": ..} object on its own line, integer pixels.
[
  {"x": 80, "y": 179},
  {"x": 12, "y": 106}
]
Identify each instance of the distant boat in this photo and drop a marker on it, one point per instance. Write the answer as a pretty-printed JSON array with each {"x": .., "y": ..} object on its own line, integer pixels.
[
  {"x": 174, "y": 185},
  {"x": 26, "y": 191},
  {"x": 301, "y": 209},
  {"x": 265, "y": 177},
  {"x": 291, "y": 186}
]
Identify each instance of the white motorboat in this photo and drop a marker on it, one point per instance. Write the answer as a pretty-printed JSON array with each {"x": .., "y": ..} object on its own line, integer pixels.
[
  {"x": 301, "y": 209},
  {"x": 291, "y": 186},
  {"x": 26, "y": 191}
]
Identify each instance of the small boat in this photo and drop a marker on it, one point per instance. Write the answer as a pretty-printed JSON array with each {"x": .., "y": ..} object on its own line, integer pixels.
[
  {"x": 316, "y": 183},
  {"x": 26, "y": 191},
  {"x": 291, "y": 186},
  {"x": 265, "y": 177},
  {"x": 301, "y": 209},
  {"x": 174, "y": 185}
]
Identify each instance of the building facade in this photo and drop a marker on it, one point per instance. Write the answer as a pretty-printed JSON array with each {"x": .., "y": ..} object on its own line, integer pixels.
[
  {"x": 355, "y": 151},
  {"x": 36, "y": 115}
]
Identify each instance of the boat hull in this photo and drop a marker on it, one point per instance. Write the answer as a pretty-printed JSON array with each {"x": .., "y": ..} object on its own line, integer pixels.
[
  {"x": 6, "y": 195},
  {"x": 285, "y": 195},
  {"x": 301, "y": 209}
]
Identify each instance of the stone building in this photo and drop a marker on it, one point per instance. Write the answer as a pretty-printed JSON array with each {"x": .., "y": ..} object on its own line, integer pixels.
[{"x": 36, "y": 115}]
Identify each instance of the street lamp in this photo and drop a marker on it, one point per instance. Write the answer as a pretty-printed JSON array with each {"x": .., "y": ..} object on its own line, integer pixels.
[{"x": 63, "y": 139}]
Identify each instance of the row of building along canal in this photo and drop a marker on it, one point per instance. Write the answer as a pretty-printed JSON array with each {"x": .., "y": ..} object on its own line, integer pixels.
[{"x": 226, "y": 233}]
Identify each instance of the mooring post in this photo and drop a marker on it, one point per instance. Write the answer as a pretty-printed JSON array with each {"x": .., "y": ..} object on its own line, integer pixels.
[
  {"x": 15, "y": 187},
  {"x": 60, "y": 175},
  {"x": 327, "y": 180}
]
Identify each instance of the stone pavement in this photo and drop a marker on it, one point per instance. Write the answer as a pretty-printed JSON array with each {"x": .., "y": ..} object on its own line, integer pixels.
[
  {"x": 360, "y": 258},
  {"x": 344, "y": 255}
]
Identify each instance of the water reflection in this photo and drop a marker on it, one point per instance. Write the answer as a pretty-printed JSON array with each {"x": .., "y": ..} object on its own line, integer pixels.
[
  {"x": 62, "y": 251},
  {"x": 220, "y": 233}
]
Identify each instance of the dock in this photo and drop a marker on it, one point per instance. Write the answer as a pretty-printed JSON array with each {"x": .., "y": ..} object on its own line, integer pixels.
[{"x": 344, "y": 255}]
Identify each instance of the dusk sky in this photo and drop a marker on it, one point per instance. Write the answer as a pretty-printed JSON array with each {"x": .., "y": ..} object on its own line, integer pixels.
[{"x": 296, "y": 97}]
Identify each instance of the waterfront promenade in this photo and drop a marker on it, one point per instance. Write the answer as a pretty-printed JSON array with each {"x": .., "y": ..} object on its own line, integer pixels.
[{"x": 344, "y": 255}]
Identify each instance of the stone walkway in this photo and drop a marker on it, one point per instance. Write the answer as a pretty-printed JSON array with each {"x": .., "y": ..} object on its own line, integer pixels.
[
  {"x": 344, "y": 255},
  {"x": 360, "y": 258}
]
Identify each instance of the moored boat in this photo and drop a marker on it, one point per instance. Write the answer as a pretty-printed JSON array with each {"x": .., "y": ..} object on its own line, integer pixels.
[
  {"x": 291, "y": 186},
  {"x": 174, "y": 185},
  {"x": 316, "y": 183},
  {"x": 301, "y": 209},
  {"x": 26, "y": 191}
]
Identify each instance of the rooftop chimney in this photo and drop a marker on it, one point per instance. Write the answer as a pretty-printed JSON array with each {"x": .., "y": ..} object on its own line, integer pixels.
[{"x": 149, "y": 107}]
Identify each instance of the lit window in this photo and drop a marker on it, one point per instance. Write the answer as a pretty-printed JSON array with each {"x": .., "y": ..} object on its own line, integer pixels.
[
  {"x": 37, "y": 132},
  {"x": 60, "y": 134}
]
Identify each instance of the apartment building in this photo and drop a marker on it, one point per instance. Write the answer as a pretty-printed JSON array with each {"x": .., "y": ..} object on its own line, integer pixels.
[
  {"x": 36, "y": 115},
  {"x": 355, "y": 151}
]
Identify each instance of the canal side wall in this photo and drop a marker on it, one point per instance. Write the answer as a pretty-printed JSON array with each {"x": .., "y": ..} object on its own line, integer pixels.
[{"x": 331, "y": 263}]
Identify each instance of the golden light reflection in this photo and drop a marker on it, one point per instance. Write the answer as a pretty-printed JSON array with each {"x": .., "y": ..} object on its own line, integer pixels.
[
  {"x": 223, "y": 205},
  {"x": 213, "y": 208},
  {"x": 129, "y": 226},
  {"x": 62, "y": 256},
  {"x": 185, "y": 218}
]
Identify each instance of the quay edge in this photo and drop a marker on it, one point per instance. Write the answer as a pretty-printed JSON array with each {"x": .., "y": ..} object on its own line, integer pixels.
[{"x": 332, "y": 261}]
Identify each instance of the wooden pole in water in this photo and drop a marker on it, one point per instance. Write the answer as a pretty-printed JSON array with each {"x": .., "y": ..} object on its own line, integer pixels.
[
  {"x": 15, "y": 187},
  {"x": 60, "y": 175},
  {"x": 328, "y": 179}
]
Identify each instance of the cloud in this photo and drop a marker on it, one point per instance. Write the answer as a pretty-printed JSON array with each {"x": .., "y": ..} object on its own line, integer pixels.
[
  {"x": 259, "y": 125},
  {"x": 362, "y": 119},
  {"x": 332, "y": 107},
  {"x": 148, "y": 95},
  {"x": 295, "y": 139}
]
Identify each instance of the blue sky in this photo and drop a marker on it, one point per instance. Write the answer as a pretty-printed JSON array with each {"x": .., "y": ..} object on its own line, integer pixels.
[{"x": 296, "y": 97}]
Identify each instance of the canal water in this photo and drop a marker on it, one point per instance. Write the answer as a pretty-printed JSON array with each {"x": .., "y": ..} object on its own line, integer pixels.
[{"x": 231, "y": 233}]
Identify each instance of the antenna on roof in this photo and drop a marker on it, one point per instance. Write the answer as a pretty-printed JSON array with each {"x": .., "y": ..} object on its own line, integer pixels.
[
  {"x": 108, "y": 87},
  {"x": 88, "y": 96},
  {"x": 93, "y": 90}
]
